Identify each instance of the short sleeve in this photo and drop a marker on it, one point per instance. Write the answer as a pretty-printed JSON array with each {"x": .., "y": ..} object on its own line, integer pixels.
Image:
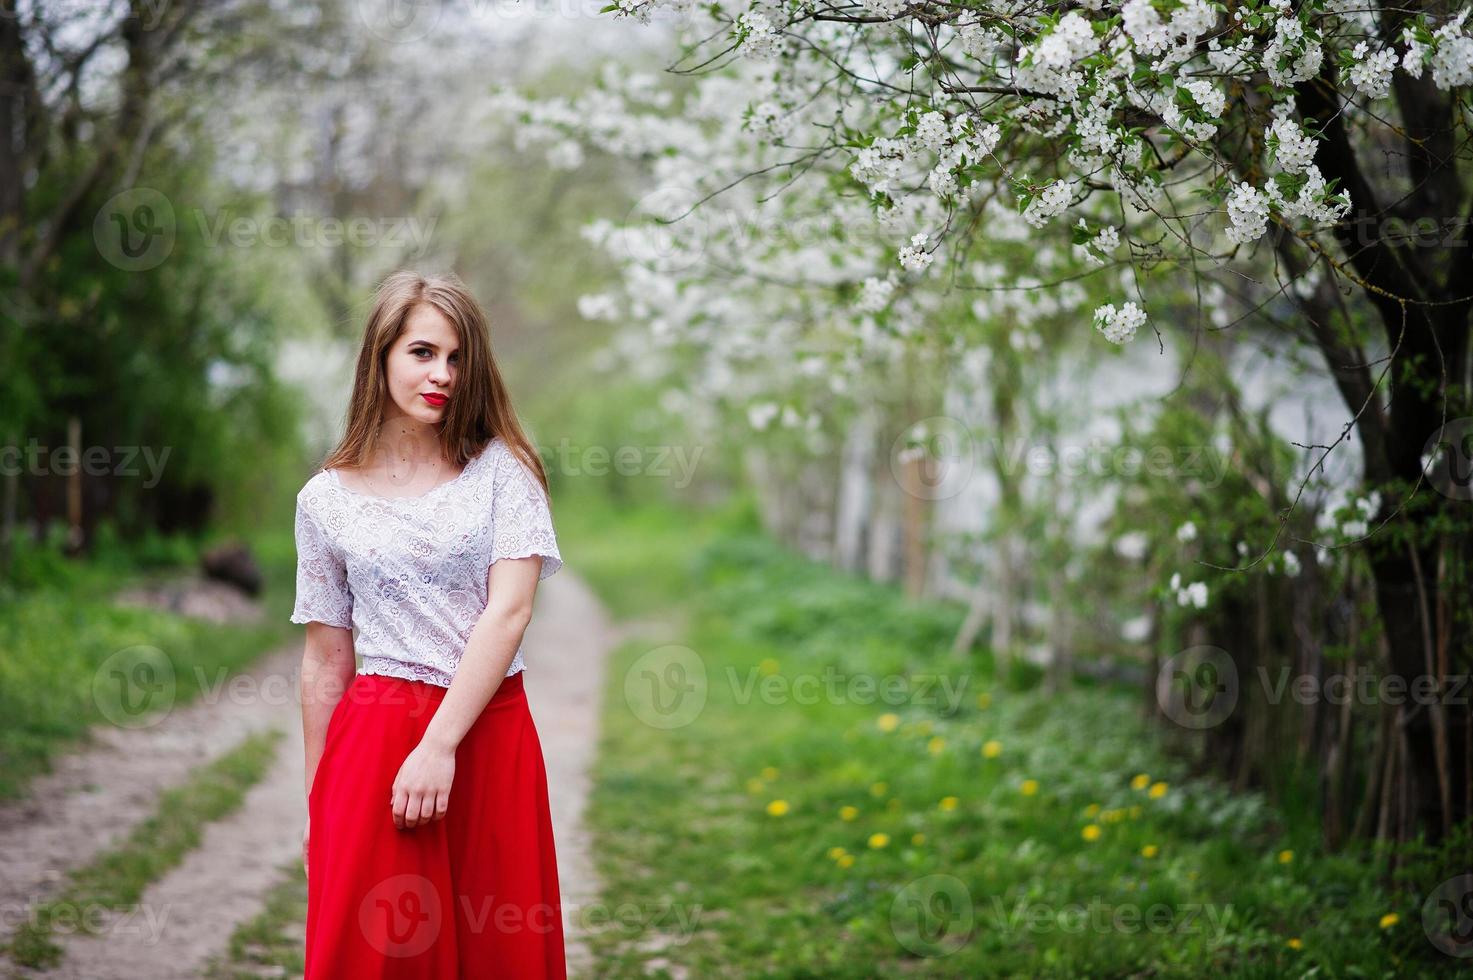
[
  {"x": 322, "y": 579},
  {"x": 521, "y": 521}
]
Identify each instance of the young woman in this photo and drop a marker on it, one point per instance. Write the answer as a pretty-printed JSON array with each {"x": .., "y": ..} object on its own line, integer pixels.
[{"x": 428, "y": 847}]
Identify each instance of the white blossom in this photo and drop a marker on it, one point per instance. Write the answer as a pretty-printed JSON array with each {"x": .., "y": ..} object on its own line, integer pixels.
[
  {"x": 1248, "y": 211},
  {"x": 1194, "y": 594},
  {"x": 1054, "y": 199},
  {"x": 1119, "y": 326},
  {"x": 914, "y": 256},
  {"x": 1372, "y": 75}
]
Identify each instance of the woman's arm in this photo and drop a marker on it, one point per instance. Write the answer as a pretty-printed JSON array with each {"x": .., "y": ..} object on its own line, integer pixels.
[
  {"x": 422, "y": 788},
  {"x": 327, "y": 670}
]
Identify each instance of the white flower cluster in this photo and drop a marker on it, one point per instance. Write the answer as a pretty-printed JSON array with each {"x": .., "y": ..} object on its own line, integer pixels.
[
  {"x": 1054, "y": 199},
  {"x": 881, "y": 163},
  {"x": 883, "y": 8},
  {"x": 1119, "y": 326},
  {"x": 1187, "y": 533},
  {"x": 1415, "y": 58},
  {"x": 1172, "y": 40},
  {"x": 761, "y": 414},
  {"x": 875, "y": 293},
  {"x": 914, "y": 256},
  {"x": 1193, "y": 594},
  {"x": 932, "y": 130},
  {"x": 1292, "y": 56},
  {"x": 1295, "y": 150},
  {"x": 1365, "y": 511},
  {"x": 1051, "y": 68},
  {"x": 1206, "y": 93},
  {"x": 763, "y": 37},
  {"x": 598, "y": 306},
  {"x": 1452, "y": 54},
  {"x": 1248, "y": 213},
  {"x": 1372, "y": 75},
  {"x": 977, "y": 40},
  {"x": 1098, "y": 249}
]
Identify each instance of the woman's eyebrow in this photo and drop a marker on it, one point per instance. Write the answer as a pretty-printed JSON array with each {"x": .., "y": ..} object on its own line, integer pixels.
[{"x": 426, "y": 343}]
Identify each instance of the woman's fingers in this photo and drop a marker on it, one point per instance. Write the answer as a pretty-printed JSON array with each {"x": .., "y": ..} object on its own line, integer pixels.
[{"x": 398, "y": 802}]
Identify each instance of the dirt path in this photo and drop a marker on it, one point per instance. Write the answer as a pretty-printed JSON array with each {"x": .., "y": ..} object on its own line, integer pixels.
[{"x": 186, "y": 917}]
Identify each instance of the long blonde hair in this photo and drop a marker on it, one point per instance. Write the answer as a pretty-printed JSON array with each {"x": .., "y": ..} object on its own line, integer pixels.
[{"x": 481, "y": 408}]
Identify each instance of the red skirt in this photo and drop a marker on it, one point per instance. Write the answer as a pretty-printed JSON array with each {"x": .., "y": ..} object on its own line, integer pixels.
[{"x": 472, "y": 895}]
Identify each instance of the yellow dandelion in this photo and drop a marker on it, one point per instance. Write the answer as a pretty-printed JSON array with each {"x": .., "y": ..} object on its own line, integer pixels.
[
  {"x": 878, "y": 840},
  {"x": 1389, "y": 919},
  {"x": 777, "y": 807},
  {"x": 1029, "y": 787},
  {"x": 878, "y": 789},
  {"x": 1090, "y": 832},
  {"x": 1150, "y": 851},
  {"x": 769, "y": 666},
  {"x": 836, "y": 852},
  {"x": 1295, "y": 943},
  {"x": 1092, "y": 810},
  {"x": 769, "y": 773},
  {"x": 948, "y": 803},
  {"x": 1157, "y": 791},
  {"x": 991, "y": 749},
  {"x": 845, "y": 860},
  {"x": 848, "y": 812},
  {"x": 984, "y": 699},
  {"x": 936, "y": 745},
  {"x": 1285, "y": 856},
  {"x": 755, "y": 785},
  {"x": 1141, "y": 781},
  {"x": 917, "y": 839},
  {"x": 888, "y": 722}
]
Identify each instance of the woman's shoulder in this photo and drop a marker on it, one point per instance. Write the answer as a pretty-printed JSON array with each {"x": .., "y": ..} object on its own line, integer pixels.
[{"x": 316, "y": 487}]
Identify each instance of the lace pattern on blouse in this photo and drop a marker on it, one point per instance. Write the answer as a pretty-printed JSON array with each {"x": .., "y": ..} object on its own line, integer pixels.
[{"x": 409, "y": 573}]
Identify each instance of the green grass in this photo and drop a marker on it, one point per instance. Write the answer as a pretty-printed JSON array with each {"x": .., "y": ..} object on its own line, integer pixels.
[
  {"x": 119, "y": 876},
  {"x": 67, "y": 649},
  {"x": 980, "y": 872},
  {"x": 271, "y": 944},
  {"x": 725, "y": 846}
]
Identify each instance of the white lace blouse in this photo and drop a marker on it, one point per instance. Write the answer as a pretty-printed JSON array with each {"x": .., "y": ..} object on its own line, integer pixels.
[{"x": 409, "y": 573}]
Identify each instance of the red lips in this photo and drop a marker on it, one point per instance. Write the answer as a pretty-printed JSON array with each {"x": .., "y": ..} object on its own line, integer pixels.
[{"x": 436, "y": 400}]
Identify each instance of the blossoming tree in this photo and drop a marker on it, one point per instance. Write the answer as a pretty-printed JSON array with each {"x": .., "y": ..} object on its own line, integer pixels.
[{"x": 1323, "y": 142}]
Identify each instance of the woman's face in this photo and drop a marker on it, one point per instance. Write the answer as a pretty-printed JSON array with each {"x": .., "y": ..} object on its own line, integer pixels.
[{"x": 423, "y": 362}]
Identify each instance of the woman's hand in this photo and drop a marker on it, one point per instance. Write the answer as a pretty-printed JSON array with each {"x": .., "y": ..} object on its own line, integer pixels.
[{"x": 421, "y": 791}]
